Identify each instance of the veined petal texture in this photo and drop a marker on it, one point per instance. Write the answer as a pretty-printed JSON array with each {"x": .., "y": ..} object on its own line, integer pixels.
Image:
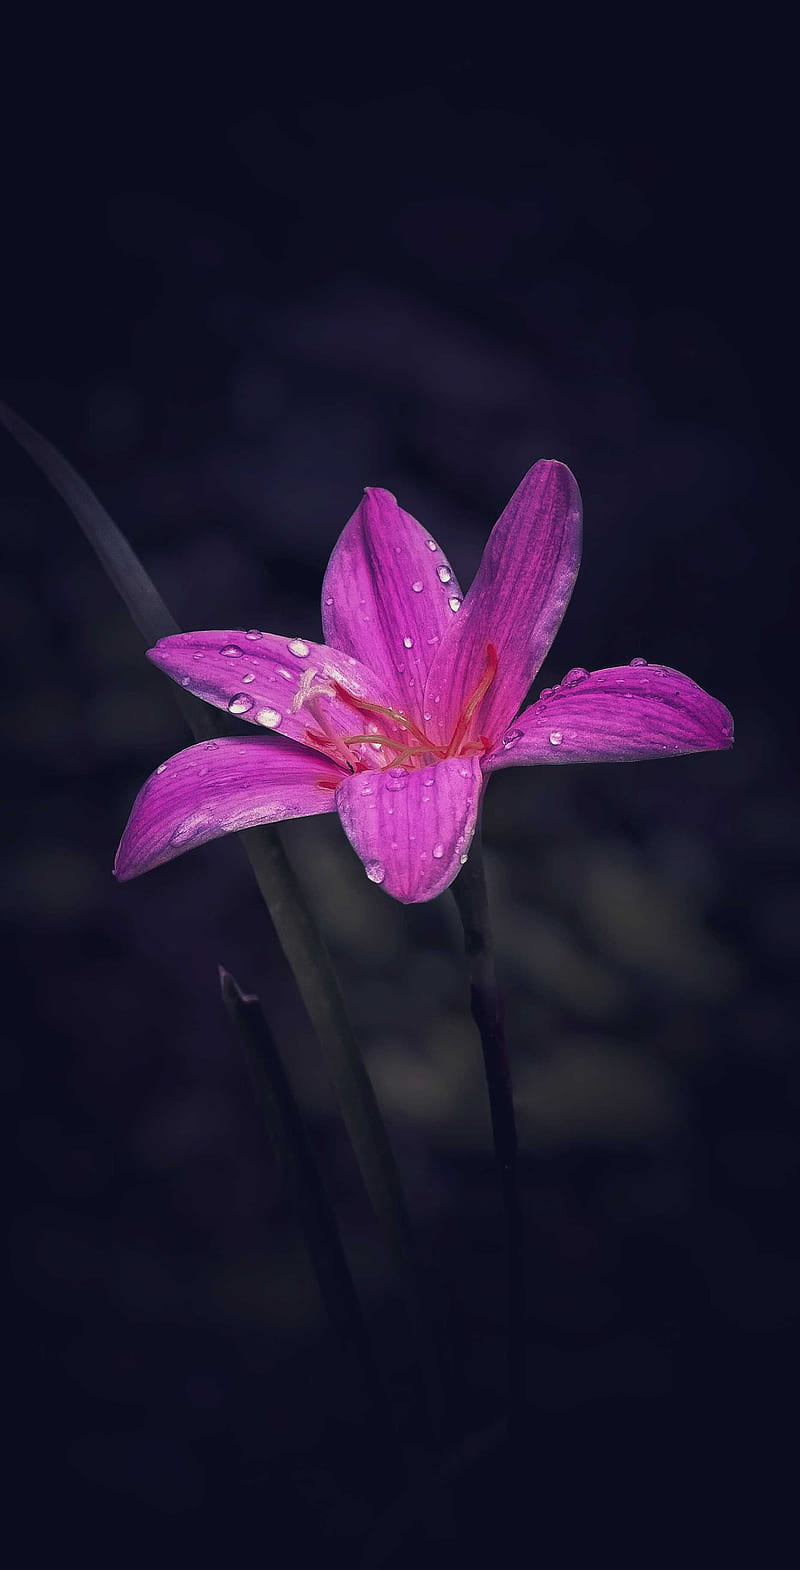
[
  {"x": 217, "y": 787},
  {"x": 412, "y": 829},
  {"x": 389, "y": 597},
  {"x": 622, "y": 714},
  {"x": 516, "y": 603}
]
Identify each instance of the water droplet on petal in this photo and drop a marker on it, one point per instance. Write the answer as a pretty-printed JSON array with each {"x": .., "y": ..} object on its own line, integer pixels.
[
  {"x": 161, "y": 768},
  {"x": 434, "y": 639},
  {"x": 574, "y": 676},
  {"x": 375, "y": 870},
  {"x": 185, "y": 680},
  {"x": 253, "y": 633},
  {"x": 240, "y": 703},
  {"x": 328, "y": 599},
  {"x": 511, "y": 738},
  {"x": 287, "y": 675},
  {"x": 396, "y": 779},
  {"x": 431, "y": 544},
  {"x": 408, "y": 643},
  {"x": 232, "y": 651},
  {"x": 463, "y": 860},
  {"x": 209, "y": 746},
  {"x": 438, "y": 852},
  {"x": 555, "y": 738},
  {"x": 546, "y": 692},
  {"x": 366, "y": 790},
  {"x": 418, "y": 586},
  {"x": 199, "y": 655},
  {"x": 454, "y": 602},
  {"x": 638, "y": 660},
  {"x": 443, "y": 574},
  {"x": 251, "y": 676},
  {"x": 298, "y": 647},
  {"x": 268, "y": 717},
  {"x": 430, "y": 780}
]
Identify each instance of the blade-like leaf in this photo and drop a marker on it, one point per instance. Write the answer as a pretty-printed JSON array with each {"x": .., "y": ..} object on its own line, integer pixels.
[
  {"x": 296, "y": 1159},
  {"x": 298, "y": 934}
]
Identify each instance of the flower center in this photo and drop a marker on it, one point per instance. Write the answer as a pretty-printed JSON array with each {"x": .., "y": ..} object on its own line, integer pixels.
[{"x": 412, "y": 748}]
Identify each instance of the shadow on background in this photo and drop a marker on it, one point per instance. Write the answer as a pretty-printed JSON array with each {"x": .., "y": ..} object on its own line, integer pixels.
[{"x": 232, "y": 309}]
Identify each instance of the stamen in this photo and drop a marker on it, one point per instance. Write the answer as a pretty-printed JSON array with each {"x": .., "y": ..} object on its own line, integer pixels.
[
  {"x": 363, "y": 707},
  {"x": 492, "y": 662}
]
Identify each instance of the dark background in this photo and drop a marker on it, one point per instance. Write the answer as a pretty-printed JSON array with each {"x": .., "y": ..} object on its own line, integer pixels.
[{"x": 243, "y": 277}]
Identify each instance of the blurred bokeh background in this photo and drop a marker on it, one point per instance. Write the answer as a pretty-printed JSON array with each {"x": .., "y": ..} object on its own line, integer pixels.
[{"x": 237, "y": 289}]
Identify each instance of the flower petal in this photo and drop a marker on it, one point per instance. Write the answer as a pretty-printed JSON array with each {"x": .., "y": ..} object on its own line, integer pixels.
[
  {"x": 386, "y": 597},
  {"x": 516, "y": 603},
  {"x": 283, "y": 684},
  {"x": 412, "y": 829},
  {"x": 622, "y": 714},
  {"x": 217, "y": 787}
]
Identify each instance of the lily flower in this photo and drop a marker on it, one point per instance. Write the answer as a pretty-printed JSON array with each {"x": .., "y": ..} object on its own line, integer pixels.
[{"x": 397, "y": 720}]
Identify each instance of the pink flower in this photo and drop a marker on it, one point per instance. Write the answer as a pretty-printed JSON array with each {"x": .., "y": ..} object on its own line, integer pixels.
[{"x": 397, "y": 720}]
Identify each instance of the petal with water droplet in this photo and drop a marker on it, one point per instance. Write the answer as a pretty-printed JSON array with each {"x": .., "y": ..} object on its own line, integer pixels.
[
  {"x": 372, "y": 597},
  {"x": 622, "y": 714},
  {"x": 417, "y": 832},
  {"x": 516, "y": 603},
  {"x": 277, "y": 672},
  {"x": 242, "y": 781}
]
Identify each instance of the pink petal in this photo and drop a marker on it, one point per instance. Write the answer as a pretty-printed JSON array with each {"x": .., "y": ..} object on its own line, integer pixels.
[
  {"x": 217, "y": 787},
  {"x": 283, "y": 684},
  {"x": 412, "y": 829},
  {"x": 516, "y": 603},
  {"x": 387, "y": 597},
  {"x": 621, "y": 714}
]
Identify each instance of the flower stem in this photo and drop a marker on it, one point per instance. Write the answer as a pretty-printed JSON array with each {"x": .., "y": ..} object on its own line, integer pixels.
[{"x": 471, "y": 897}]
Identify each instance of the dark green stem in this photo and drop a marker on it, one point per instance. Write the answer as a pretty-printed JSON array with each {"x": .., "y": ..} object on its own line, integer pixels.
[{"x": 472, "y": 900}]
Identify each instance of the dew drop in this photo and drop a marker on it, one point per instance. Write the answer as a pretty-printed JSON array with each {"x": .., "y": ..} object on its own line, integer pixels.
[
  {"x": 443, "y": 574},
  {"x": 268, "y": 717},
  {"x": 574, "y": 676},
  {"x": 287, "y": 675},
  {"x": 375, "y": 870},
  {"x": 434, "y": 639},
  {"x": 555, "y": 738},
  {"x": 396, "y": 779},
  {"x": 437, "y": 852},
  {"x": 400, "y": 668},
  {"x": 240, "y": 703},
  {"x": 464, "y": 774},
  {"x": 232, "y": 651},
  {"x": 185, "y": 681},
  {"x": 366, "y": 790},
  {"x": 638, "y": 660},
  {"x": 328, "y": 599},
  {"x": 511, "y": 738},
  {"x": 408, "y": 643},
  {"x": 431, "y": 544},
  {"x": 199, "y": 655},
  {"x": 417, "y": 587},
  {"x": 298, "y": 647},
  {"x": 209, "y": 746},
  {"x": 463, "y": 860},
  {"x": 428, "y": 781},
  {"x": 251, "y": 676},
  {"x": 546, "y": 692},
  {"x": 454, "y": 602},
  {"x": 161, "y": 768},
  {"x": 253, "y": 633}
]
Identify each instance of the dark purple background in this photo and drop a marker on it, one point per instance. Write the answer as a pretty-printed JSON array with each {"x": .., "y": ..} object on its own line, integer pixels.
[{"x": 242, "y": 281}]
